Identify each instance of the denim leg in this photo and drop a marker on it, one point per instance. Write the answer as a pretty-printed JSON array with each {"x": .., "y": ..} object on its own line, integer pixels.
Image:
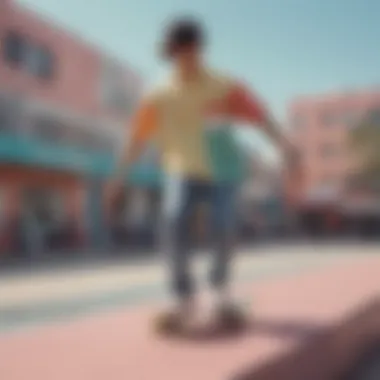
[
  {"x": 179, "y": 205},
  {"x": 223, "y": 218}
]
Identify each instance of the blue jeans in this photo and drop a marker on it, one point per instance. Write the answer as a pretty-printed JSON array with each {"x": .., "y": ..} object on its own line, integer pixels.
[{"x": 181, "y": 198}]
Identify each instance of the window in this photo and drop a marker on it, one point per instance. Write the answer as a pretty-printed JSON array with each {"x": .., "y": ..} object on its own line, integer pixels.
[
  {"x": 47, "y": 63},
  {"x": 37, "y": 59},
  {"x": 14, "y": 48}
]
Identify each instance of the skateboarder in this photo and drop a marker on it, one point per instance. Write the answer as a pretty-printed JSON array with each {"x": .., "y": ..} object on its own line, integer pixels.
[{"x": 188, "y": 118}]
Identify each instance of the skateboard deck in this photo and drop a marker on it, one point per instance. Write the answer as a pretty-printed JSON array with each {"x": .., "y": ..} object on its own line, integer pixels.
[{"x": 204, "y": 325}]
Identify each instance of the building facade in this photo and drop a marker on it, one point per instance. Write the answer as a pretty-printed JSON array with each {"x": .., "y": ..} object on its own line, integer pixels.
[
  {"x": 321, "y": 128},
  {"x": 64, "y": 108}
]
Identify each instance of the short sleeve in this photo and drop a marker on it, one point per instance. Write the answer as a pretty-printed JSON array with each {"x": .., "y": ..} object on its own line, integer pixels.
[{"x": 145, "y": 121}]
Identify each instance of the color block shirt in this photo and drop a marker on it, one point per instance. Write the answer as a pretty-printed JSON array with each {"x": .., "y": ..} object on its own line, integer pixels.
[
  {"x": 227, "y": 160},
  {"x": 191, "y": 123}
]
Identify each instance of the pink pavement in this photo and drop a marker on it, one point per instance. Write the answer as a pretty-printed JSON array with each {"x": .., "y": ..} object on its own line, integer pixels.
[{"x": 120, "y": 344}]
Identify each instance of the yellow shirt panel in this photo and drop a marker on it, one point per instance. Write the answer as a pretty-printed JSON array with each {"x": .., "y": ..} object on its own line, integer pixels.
[{"x": 181, "y": 122}]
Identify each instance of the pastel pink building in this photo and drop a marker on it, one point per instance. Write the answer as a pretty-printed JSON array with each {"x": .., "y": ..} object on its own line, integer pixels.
[
  {"x": 56, "y": 90},
  {"x": 59, "y": 67},
  {"x": 320, "y": 126}
]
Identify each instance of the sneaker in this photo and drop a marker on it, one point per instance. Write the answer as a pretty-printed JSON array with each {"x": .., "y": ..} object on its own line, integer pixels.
[{"x": 174, "y": 319}]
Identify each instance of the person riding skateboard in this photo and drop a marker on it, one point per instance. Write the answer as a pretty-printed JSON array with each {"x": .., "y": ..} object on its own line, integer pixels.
[{"x": 182, "y": 117}]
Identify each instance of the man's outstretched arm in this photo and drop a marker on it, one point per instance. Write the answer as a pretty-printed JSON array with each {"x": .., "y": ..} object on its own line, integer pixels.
[{"x": 249, "y": 109}]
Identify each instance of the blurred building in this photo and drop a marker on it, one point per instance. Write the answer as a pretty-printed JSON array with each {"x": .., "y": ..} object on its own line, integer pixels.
[
  {"x": 262, "y": 206},
  {"x": 64, "y": 108},
  {"x": 321, "y": 127}
]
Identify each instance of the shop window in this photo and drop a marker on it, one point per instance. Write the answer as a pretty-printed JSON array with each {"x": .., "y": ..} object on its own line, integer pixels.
[
  {"x": 35, "y": 58},
  {"x": 15, "y": 46},
  {"x": 40, "y": 61}
]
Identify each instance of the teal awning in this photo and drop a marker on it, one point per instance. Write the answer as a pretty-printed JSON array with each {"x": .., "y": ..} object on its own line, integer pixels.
[{"x": 31, "y": 151}]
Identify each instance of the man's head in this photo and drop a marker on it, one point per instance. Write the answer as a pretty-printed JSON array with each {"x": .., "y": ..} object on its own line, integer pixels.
[{"x": 184, "y": 41}]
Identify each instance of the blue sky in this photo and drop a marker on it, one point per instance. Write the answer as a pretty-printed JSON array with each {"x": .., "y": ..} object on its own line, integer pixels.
[{"x": 283, "y": 48}]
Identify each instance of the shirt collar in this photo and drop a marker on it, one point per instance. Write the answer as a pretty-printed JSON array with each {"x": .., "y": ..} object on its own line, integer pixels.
[{"x": 199, "y": 78}]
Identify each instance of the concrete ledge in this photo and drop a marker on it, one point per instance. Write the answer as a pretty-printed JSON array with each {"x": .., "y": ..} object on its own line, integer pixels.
[{"x": 332, "y": 354}]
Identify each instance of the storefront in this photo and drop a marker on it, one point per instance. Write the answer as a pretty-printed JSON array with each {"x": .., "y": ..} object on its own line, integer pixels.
[
  {"x": 52, "y": 196},
  {"x": 42, "y": 199},
  {"x": 362, "y": 214},
  {"x": 41, "y": 210},
  {"x": 134, "y": 222},
  {"x": 320, "y": 213}
]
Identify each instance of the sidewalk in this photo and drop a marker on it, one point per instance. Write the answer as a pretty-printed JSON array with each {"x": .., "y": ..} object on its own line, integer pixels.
[{"x": 289, "y": 312}]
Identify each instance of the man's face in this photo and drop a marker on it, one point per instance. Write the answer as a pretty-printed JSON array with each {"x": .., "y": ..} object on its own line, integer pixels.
[{"x": 187, "y": 56}]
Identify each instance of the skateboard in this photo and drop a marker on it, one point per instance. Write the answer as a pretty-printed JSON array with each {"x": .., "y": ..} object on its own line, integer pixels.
[{"x": 206, "y": 326}]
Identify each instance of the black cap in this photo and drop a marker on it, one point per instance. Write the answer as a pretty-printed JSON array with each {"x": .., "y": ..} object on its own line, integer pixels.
[{"x": 182, "y": 32}]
